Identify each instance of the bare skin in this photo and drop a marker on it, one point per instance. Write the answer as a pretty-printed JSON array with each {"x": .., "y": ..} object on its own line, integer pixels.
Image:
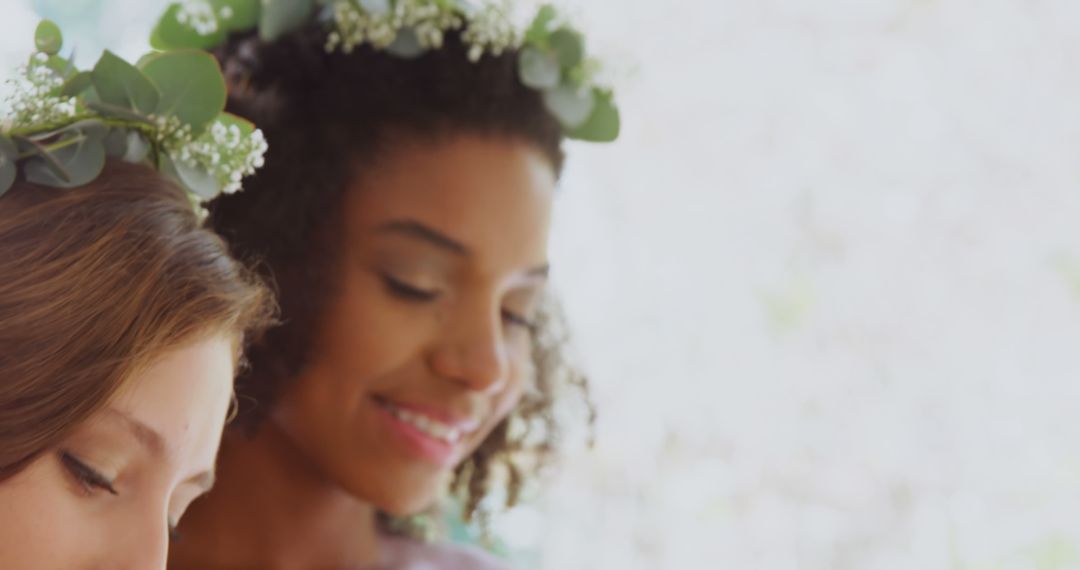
[
  {"x": 443, "y": 260},
  {"x": 107, "y": 496}
]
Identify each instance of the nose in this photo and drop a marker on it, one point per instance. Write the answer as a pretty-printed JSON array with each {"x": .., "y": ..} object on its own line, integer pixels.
[{"x": 473, "y": 351}]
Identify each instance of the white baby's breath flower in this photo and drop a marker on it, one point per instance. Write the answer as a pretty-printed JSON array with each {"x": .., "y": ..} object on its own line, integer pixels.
[
  {"x": 32, "y": 96},
  {"x": 222, "y": 150},
  {"x": 199, "y": 15}
]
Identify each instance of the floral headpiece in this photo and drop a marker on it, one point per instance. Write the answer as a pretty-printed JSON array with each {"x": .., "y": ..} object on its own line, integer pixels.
[
  {"x": 166, "y": 111},
  {"x": 551, "y": 53}
]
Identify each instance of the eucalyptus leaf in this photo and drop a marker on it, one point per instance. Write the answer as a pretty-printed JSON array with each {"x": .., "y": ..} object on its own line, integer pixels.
[
  {"x": 170, "y": 33},
  {"x": 76, "y": 84},
  {"x": 603, "y": 125},
  {"x": 571, "y": 105},
  {"x": 237, "y": 15},
  {"x": 280, "y": 17},
  {"x": 122, "y": 84},
  {"x": 540, "y": 28},
  {"x": 569, "y": 46},
  {"x": 197, "y": 180},
  {"x": 137, "y": 147},
  {"x": 116, "y": 142},
  {"x": 375, "y": 7},
  {"x": 39, "y": 152},
  {"x": 9, "y": 154},
  {"x": 538, "y": 69},
  {"x": 82, "y": 160},
  {"x": 63, "y": 68},
  {"x": 47, "y": 37},
  {"x": 406, "y": 45},
  {"x": 191, "y": 86},
  {"x": 116, "y": 112},
  {"x": 228, "y": 120}
]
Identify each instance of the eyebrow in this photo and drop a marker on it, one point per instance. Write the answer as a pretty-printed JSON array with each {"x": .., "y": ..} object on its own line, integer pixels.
[
  {"x": 420, "y": 231},
  {"x": 417, "y": 230},
  {"x": 154, "y": 443},
  {"x": 144, "y": 434}
]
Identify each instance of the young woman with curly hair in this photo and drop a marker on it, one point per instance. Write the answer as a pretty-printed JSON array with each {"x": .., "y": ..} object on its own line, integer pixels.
[{"x": 403, "y": 215}]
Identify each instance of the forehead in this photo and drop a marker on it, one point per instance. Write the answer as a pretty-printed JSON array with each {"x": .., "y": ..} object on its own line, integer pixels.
[
  {"x": 492, "y": 194},
  {"x": 183, "y": 396}
]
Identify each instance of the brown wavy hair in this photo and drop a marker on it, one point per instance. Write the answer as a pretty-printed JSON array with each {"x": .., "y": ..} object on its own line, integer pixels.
[
  {"x": 95, "y": 283},
  {"x": 327, "y": 114}
]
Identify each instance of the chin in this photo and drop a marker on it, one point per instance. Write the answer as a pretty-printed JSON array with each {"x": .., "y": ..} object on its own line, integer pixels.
[
  {"x": 396, "y": 493},
  {"x": 398, "y": 505}
]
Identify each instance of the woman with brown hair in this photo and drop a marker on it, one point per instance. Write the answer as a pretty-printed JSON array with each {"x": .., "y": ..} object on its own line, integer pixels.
[{"x": 122, "y": 320}]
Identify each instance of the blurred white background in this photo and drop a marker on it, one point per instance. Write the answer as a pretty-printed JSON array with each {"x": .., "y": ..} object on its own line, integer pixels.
[{"x": 827, "y": 284}]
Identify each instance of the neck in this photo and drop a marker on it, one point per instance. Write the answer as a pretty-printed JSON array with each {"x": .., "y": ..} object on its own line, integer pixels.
[{"x": 271, "y": 508}]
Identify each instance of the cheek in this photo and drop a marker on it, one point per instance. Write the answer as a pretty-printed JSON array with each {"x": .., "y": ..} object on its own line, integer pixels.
[
  {"x": 366, "y": 335},
  {"x": 520, "y": 376},
  {"x": 43, "y": 524}
]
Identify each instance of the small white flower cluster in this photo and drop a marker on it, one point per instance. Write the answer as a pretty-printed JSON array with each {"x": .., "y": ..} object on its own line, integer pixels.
[
  {"x": 199, "y": 15},
  {"x": 222, "y": 150},
  {"x": 356, "y": 26},
  {"x": 31, "y": 100},
  {"x": 487, "y": 27},
  {"x": 490, "y": 29}
]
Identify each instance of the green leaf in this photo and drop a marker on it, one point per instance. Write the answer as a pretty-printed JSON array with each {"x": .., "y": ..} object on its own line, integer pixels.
[
  {"x": 116, "y": 142},
  {"x": 280, "y": 17},
  {"x": 127, "y": 145},
  {"x": 569, "y": 46},
  {"x": 246, "y": 127},
  {"x": 47, "y": 37},
  {"x": 191, "y": 86},
  {"x": 603, "y": 125},
  {"x": 237, "y": 15},
  {"x": 122, "y": 84},
  {"x": 76, "y": 84},
  {"x": 137, "y": 147},
  {"x": 170, "y": 33},
  {"x": 8, "y": 169},
  {"x": 63, "y": 68},
  {"x": 196, "y": 180},
  {"x": 541, "y": 25},
  {"x": 406, "y": 44},
  {"x": 538, "y": 69},
  {"x": 117, "y": 112},
  {"x": 571, "y": 105},
  {"x": 81, "y": 160}
]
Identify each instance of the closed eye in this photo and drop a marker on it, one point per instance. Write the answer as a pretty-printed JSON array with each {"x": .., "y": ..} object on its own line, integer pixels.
[
  {"x": 403, "y": 290},
  {"x": 517, "y": 320},
  {"x": 89, "y": 478}
]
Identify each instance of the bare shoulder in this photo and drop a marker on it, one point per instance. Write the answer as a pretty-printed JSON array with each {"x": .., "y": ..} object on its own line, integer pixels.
[{"x": 405, "y": 554}]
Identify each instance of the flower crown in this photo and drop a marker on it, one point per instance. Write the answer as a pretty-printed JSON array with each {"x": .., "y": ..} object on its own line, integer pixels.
[
  {"x": 551, "y": 53},
  {"x": 166, "y": 111}
]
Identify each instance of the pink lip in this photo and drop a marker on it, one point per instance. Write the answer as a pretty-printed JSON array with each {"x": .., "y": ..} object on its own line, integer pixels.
[{"x": 435, "y": 451}]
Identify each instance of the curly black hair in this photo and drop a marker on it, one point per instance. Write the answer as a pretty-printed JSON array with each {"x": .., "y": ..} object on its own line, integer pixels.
[{"x": 326, "y": 114}]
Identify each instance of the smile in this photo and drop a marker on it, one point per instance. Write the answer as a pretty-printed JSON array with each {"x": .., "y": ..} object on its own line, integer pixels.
[{"x": 428, "y": 425}]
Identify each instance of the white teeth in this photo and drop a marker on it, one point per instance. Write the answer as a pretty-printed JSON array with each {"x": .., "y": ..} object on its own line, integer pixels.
[{"x": 434, "y": 428}]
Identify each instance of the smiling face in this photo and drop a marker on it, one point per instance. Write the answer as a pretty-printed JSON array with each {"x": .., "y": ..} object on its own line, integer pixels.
[
  {"x": 106, "y": 496},
  {"x": 425, "y": 346}
]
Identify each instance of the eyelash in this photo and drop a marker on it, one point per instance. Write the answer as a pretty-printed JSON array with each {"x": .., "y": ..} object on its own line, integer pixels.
[
  {"x": 89, "y": 478},
  {"x": 91, "y": 481},
  {"x": 409, "y": 293}
]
